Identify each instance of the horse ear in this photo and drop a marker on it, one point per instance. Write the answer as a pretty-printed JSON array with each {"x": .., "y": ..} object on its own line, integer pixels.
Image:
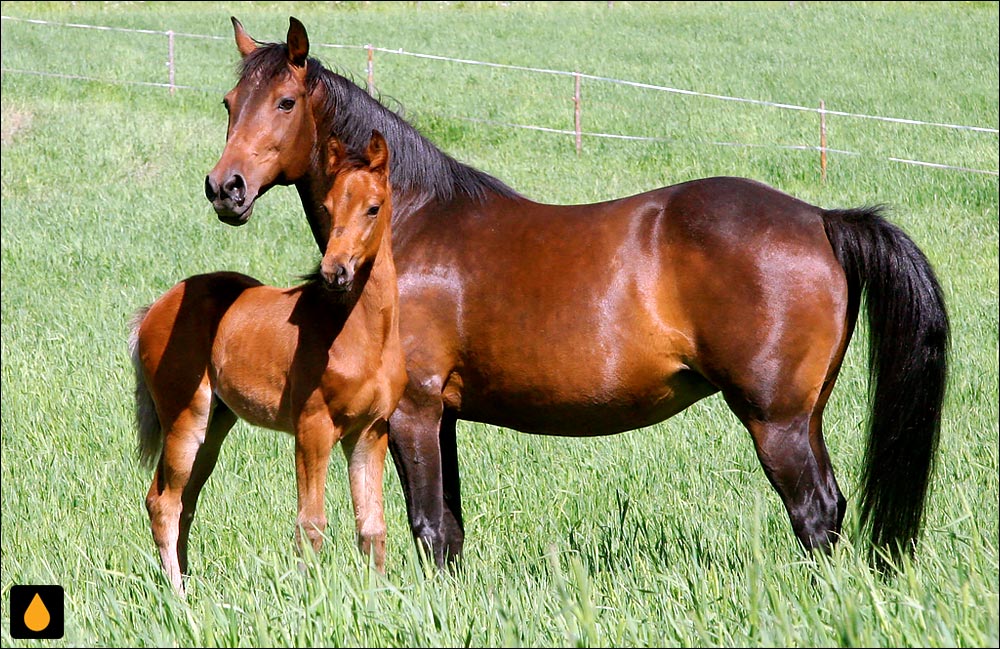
[
  {"x": 334, "y": 154},
  {"x": 244, "y": 43},
  {"x": 298, "y": 42},
  {"x": 378, "y": 150}
]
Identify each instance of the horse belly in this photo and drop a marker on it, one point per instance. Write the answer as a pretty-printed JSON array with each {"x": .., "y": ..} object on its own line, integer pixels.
[
  {"x": 565, "y": 389},
  {"x": 251, "y": 365}
]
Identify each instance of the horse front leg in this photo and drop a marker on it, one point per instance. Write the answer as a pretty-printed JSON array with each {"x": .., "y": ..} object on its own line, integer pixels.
[
  {"x": 454, "y": 528},
  {"x": 313, "y": 443},
  {"x": 365, "y": 455},
  {"x": 414, "y": 440}
]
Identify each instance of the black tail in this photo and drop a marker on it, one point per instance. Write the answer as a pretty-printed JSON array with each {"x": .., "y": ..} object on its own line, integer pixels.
[{"x": 907, "y": 363}]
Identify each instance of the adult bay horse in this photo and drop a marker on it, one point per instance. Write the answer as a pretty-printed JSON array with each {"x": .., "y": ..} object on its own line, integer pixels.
[
  {"x": 596, "y": 319},
  {"x": 322, "y": 361}
]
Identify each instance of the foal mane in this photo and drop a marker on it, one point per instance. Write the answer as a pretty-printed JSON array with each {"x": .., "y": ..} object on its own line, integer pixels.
[{"x": 420, "y": 171}]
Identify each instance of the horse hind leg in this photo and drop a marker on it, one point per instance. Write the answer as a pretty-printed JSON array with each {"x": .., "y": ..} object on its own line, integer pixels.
[
  {"x": 787, "y": 431},
  {"x": 818, "y": 445},
  {"x": 790, "y": 447},
  {"x": 182, "y": 439},
  {"x": 365, "y": 455},
  {"x": 806, "y": 485},
  {"x": 221, "y": 422}
]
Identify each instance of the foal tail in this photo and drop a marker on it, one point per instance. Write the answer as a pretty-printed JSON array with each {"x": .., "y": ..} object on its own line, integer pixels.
[
  {"x": 907, "y": 364},
  {"x": 150, "y": 435}
]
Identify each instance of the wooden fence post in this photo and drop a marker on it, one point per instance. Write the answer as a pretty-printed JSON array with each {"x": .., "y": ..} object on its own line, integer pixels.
[
  {"x": 170, "y": 59},
  {"x": 576, "y": 112},
  {"x": 371, "y": 70},
  {"x": 822, "y": 140}
]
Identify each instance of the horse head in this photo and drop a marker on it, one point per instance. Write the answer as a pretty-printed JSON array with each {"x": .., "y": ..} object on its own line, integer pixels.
[
  {"x": 272, "y": 128},
  {"x": 359, "y": 206}
]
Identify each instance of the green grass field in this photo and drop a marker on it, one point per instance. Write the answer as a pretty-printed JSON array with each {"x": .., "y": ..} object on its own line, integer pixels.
[{"x": 669, "y": 535}]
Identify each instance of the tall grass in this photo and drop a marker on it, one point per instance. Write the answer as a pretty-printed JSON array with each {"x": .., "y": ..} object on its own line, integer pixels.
[{"x": 668, "y": 535}]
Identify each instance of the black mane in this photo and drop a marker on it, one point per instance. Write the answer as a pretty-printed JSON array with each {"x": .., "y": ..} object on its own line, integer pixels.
[{"x": 420, "y": 171}]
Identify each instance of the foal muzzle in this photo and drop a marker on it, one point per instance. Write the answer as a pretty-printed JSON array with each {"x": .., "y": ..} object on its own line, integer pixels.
[{"x": 337, "y": 276}]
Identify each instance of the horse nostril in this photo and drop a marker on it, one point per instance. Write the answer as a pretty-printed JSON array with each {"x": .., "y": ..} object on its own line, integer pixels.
[
  {"x": 211, "y": 193},
  {"x": 235, "y": 189},
  {"x": 337, "y": 277}
]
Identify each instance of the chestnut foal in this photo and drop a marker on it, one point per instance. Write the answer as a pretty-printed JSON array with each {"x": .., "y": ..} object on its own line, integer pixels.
[{"x": 322, "y": 361}]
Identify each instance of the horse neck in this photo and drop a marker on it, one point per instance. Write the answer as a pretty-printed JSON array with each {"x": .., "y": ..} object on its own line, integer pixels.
[
  {"x": 380, "y": 292},
  {"x": 312, "y": 188},
  {"x": 422, "y": 174}
]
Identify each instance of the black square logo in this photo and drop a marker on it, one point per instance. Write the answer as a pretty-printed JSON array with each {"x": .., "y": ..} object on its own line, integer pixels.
[{"x": 37, "y": 612}]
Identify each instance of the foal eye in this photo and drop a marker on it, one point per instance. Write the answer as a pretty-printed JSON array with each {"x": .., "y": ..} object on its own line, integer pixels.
[
  {"x": 373, "y": 210},
  {"x": 286, "y": 104}
]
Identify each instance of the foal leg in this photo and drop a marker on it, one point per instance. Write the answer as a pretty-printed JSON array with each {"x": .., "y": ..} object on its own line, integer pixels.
[
  {"x": 164, "y": 501},
  {"x": 219, "y": 425},
  {"x": 365, "y": 455},
  {"x": 313, "y": 443}
]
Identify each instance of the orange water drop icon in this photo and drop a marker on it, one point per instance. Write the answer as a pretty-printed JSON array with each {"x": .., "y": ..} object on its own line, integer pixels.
[{"x": 37, "y": 617}]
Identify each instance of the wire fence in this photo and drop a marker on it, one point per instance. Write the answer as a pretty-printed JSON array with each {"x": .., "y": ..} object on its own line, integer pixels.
[{"x": 169, "y": 51}]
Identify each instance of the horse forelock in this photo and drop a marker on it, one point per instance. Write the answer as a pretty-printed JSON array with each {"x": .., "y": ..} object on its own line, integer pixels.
[{"x": 270, "y": 61}]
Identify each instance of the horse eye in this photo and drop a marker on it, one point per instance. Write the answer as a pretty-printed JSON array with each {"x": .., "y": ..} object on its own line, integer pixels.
[
  {"x": 373, "y": 210},
  {"x": 286, "y": 104}
]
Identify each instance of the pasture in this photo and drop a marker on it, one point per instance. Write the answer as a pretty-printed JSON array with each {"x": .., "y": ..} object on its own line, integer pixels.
[{"x": 669, "y": 535}]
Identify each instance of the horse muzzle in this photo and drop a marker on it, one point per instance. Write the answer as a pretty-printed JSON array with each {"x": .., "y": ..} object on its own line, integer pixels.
[
  {"x": 230, "y": 217},
  {"x": 230, "y": 199},
  {"x": 337, "y": 277}
]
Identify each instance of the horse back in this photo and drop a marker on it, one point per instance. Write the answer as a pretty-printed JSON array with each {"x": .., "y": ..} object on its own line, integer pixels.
[{"x": 188, "y": 314}]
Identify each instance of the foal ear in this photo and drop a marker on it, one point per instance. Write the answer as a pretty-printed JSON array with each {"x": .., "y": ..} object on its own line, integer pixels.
[
  {"x": 298, "y": 42},
  {"x": 378, "y": 151},
  {"x": 334, "y": 154},
  {"x": 244, "y": 43}
]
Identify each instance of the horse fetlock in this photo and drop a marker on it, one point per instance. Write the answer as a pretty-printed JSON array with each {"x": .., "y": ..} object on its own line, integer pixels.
[
  {"x": 373, "y": 545},
  {"x": 372, "y": 527},
  {"x": 818, "y": 529},
  {"x": 314, "y": 529},
  {"x": 430, "y": 541}
]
